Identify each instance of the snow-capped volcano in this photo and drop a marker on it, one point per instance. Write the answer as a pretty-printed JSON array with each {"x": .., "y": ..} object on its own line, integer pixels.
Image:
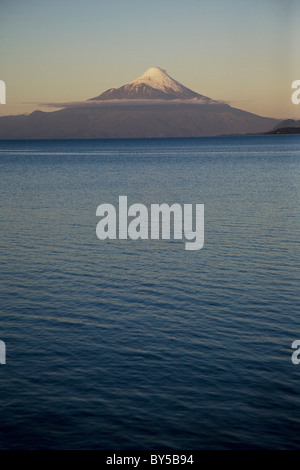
[
  {"x": 152, "y": 106},
  {"x": 155, "y": 83}
]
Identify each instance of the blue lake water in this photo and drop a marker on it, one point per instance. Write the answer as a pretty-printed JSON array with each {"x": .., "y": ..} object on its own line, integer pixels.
[{"x": 125, "y": 344}]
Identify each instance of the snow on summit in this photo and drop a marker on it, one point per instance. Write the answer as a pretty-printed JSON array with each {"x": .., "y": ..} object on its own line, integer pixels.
[
  {"x": 159, "y": 79},
  {"x": 154, "y": 83}
]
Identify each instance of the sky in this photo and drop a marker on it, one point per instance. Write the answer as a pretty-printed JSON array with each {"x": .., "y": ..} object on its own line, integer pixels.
[{"x": 239, "y": 51}]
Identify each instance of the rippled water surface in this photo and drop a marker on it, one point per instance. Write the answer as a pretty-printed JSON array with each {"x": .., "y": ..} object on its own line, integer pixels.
[{"x": 142, "y": 344}]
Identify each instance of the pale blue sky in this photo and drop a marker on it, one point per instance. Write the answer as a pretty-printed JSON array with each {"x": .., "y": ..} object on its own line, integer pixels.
[{"x": 240, "y": 51}]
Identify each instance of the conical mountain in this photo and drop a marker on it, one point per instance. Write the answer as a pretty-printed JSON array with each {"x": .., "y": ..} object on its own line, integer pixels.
[
  {"x": 155, "y": 83},
  {"x": 152, "y": 106}
]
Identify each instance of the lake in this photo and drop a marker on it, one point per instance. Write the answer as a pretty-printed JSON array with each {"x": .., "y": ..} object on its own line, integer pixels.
[{"x": 140, "y": 344}]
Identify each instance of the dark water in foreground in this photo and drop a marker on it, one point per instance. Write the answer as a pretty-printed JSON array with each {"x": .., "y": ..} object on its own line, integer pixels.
[{"x": 141, "y": 344}]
